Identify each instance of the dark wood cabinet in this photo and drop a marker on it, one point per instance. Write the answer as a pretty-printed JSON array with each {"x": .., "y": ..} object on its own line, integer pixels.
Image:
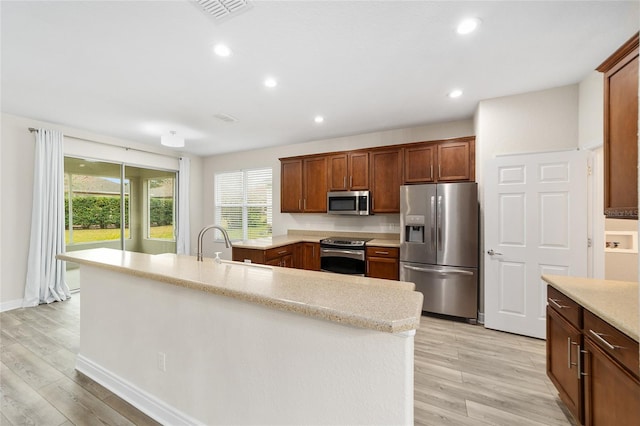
[
  {"x": 283, "y": 256},
  {"x": 385, "y": 179},
  {"x": 349, "y": 171},
  {"x": 308, "y": 256},
  {"x": 303, "y": 185},
  {"x": 563, "y": 346},
  {"x": 314, "y": 185},
  {"x": 419, "y": 163},
  {"x": 291, "y": 186},
  {"x": 593, "y": 365},
  {"x": 455, "y": 161},
  {"x": 621, "y": 131},
  {"x": 383, "y": 262}
]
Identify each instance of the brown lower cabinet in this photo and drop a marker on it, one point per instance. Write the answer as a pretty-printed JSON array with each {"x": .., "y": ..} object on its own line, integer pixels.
[
  {"x": 593, "y": 365},
  {"x": 300, "y": 255},
  {"x": 383, "y": 262}
]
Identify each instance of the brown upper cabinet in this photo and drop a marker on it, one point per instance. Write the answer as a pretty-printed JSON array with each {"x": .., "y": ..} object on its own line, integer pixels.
[
  {"x": 386, "y": 178},
  {"x": 306, "y": 179},
  {"x": 303, "y": 185},
  {"x": 621, "y": 131},
  {"x": 440, "y": 161},
  {"x": 349, "y": 171}
]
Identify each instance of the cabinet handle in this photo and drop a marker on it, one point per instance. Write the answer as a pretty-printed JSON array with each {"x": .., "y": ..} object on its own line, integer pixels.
[
  {"x": 382, "y": 252},
  {"x": 602, "y": 340},
  {"x": 578, "y": 352},
  {"x": 299, "y": 204},
  {"x": 555, "y": 302},
  {"x": 431, "y": 171},
  {"x": 344, "y": 182},
  {"x": 350, "y": 181},
  {"x": 282, "y": 252},
  {"x": 569, "y": 353},
  {"x": 439, "y": 172},
  {"x": 304, "y": 203}
]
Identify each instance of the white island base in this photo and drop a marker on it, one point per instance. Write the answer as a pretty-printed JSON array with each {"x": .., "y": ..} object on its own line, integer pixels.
[{"x": 185, "y": 356}]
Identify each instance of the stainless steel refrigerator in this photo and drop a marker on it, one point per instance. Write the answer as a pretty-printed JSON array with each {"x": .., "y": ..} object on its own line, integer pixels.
[{"x": 439, "y": 246}]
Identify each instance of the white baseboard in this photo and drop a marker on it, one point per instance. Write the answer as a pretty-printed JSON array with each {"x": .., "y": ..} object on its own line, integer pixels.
[
  {"x": 10, "y": 305},
  {"x": 480, "y": 317},
  {"x": 143, "y": 401}
]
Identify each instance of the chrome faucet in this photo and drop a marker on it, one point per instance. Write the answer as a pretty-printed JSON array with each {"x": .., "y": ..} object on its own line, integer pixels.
[{"x": 227, "y": 241}]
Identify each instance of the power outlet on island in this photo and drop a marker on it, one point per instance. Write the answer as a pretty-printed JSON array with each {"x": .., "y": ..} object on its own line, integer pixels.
[{"x": 162, "y": 361}]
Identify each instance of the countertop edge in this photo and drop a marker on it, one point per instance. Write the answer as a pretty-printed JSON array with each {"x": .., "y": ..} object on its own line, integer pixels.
[
  {"x": 318, "y": 312},
  {"x": 626, "y": 326}
]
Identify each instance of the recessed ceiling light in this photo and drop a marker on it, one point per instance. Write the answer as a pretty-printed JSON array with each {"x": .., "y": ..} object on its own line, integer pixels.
[
  {"x": 222, "y": 50},
  {"x": 318, "y": 119},
  {"x": 468, "y": 26},
  {"x": 270, "y": 82},
  {"x": 456, "y": 93}
]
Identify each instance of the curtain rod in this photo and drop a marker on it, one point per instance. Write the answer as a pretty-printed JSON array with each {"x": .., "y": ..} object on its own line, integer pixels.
[{"x": 126, "y": 148}]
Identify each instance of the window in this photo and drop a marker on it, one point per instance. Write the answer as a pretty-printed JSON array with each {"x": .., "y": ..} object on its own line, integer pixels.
[
  {"x": 161, "y": 208},
  {"x": 243, "y": 203}
]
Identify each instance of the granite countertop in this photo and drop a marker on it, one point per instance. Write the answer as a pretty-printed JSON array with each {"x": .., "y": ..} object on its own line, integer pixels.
[
  {"x": 381, "y": 240},
  {"x": 616, "y": 302},
  {"x": 383, "y": 305}
]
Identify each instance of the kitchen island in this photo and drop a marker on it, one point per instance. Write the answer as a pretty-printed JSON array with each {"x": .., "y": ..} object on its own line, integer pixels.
[{"x": 192, "y": 342}]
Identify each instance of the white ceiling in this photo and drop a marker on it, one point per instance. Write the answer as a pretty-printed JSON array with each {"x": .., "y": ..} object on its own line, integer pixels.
[{"x": 136, "y": 69}]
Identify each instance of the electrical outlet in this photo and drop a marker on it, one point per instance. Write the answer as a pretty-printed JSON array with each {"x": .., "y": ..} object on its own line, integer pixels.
[{"x": 162, "y": 361}]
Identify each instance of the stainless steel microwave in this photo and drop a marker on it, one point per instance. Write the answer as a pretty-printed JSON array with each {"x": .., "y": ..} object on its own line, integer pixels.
[{"x": 348, "y": 202}]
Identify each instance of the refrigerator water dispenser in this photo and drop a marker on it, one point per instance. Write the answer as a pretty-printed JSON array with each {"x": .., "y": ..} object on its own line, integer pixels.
[{"x": 414, "y": 228}]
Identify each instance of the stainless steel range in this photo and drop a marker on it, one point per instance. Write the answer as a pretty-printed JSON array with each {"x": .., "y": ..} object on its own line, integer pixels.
[{"x": 343, "y": 255}]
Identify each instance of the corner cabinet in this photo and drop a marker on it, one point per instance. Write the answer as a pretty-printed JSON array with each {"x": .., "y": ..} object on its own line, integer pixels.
[
  {"x": 386, "y": 178},
  {"x": 593, "y": 365},
  {"x": 621, "y": 132}
]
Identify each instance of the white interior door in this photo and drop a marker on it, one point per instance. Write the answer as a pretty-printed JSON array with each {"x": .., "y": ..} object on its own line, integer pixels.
[{"x": 535, "y": 223}]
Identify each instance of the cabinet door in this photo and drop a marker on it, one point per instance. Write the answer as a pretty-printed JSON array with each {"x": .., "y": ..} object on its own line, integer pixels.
[
  {"x": 337, "y": 172},
  {"x": 386, "y": 177},
  {"x": 359, "y": 171},
  {"x": 383, "y": 267},
  {"x": 310, "y": 257},
  {"x": 419, "y": 163},
  {"x": 563, "y": 346},
  {"x": 454, "y": 161},
  {"x": 291, "y": 186},
  {"x": 612, "y": 395},
  {"x": 315, "y": 185},
  {"x": 621, "y": 137}
]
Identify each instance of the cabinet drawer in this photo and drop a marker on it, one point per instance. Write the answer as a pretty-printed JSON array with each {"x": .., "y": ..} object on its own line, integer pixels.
[
  {"x": 612, "y": 341},
  {"x": 279, "y": 251},
  {"x": 566, "y": 307},
  {"x": 390, "y": 252}
]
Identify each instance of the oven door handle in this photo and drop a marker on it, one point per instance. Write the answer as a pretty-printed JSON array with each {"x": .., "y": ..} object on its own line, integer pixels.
[{"x": 341, "y": 251}]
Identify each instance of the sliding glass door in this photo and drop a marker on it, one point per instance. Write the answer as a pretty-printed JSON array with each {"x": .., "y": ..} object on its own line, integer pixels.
[{"x": 118, "y": 206}]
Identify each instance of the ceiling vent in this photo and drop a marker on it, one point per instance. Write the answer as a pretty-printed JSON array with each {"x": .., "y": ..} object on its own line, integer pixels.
[
  {"x": 226, "y": 118},
  {"x": 222, "y": 8}
]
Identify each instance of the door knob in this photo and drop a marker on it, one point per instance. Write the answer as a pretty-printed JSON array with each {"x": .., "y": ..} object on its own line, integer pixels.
[{"x": 491, "y": 253}]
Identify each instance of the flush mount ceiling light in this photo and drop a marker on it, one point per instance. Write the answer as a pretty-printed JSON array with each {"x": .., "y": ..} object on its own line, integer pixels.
[
  {"x": 270, "y": 82},
  {"x": 172, "y": 140},
  {"x": 319, "y": 119},
  {"x": 456, "y": 93},
  {"x": 222, "y": 50},
  {"x": 467, "y": 26}
]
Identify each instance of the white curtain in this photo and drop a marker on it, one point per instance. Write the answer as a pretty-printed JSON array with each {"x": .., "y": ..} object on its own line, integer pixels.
[
  {"x": 45, "y": 274},
  {"x": 183, "y": 207}
]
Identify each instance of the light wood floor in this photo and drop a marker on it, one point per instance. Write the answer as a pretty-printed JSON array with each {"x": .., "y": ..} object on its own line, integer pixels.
[{"x": 464, "y": 375}]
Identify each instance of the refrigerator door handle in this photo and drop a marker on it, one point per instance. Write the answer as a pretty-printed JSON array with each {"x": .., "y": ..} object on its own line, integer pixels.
[
  {"x": 433, "y": 222},
  {"x": 437, "y": 271},
  {"x": 440, "y": 220}
]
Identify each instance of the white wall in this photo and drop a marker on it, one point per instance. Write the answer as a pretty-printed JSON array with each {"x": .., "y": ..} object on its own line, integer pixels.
[
  {"x": 389, "y": 223},
  {"x": 540, "y": 121},
  {"x": 17, "y": 148}
]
